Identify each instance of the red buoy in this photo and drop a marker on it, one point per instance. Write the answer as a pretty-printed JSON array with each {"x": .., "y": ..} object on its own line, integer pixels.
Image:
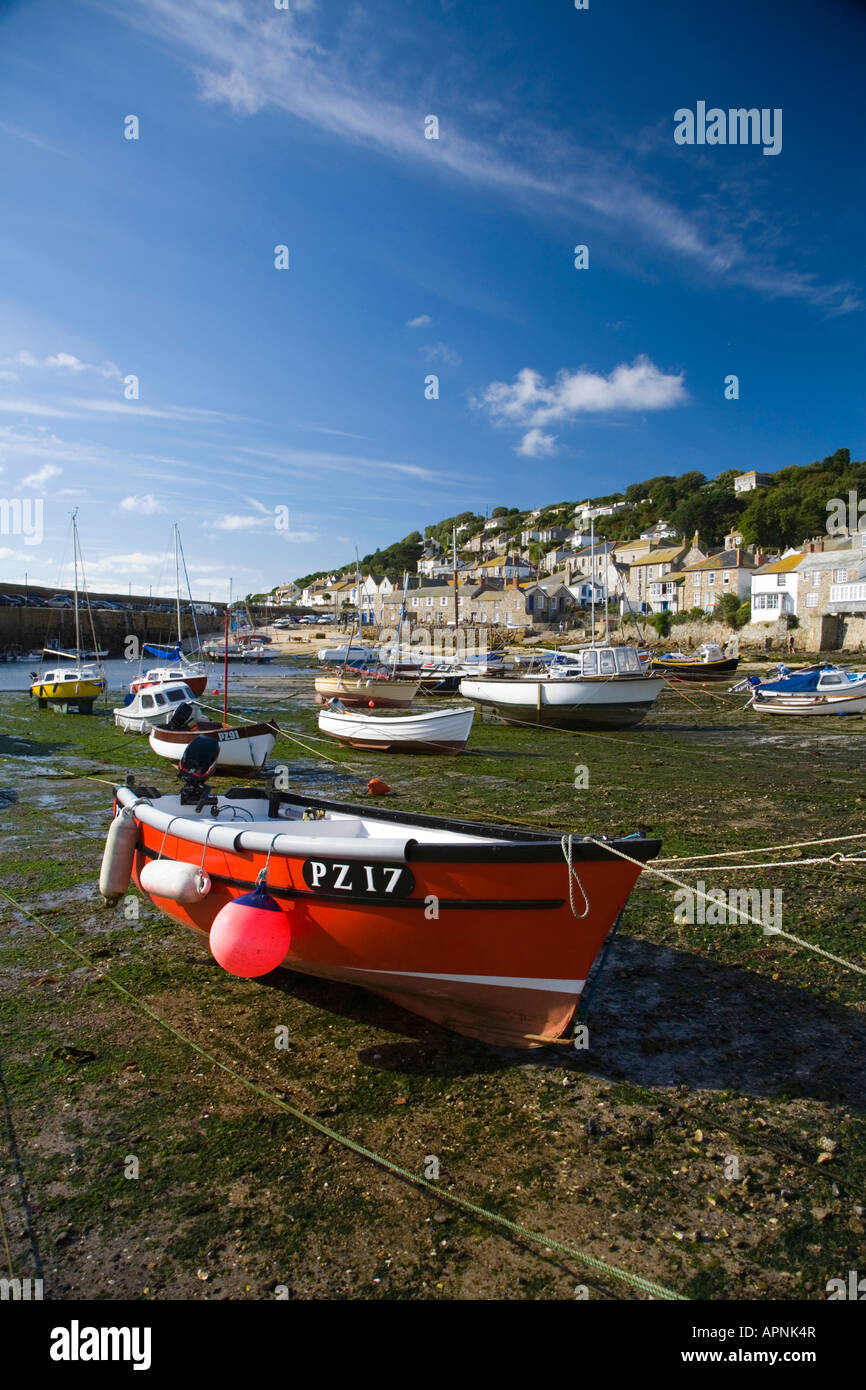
[
  {"x": 371, "y": 704},
  {"x": 376, "y": 787},
  {"x": 250, "y": 935}
]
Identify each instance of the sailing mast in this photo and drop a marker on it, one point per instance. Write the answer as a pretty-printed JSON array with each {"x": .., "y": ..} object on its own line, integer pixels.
[
  {"x": 177, "y": 589},
  {"x": 592, "y": 571},
  {"x": 75, "y": 564},
  {"x": 456, "y": 601}
]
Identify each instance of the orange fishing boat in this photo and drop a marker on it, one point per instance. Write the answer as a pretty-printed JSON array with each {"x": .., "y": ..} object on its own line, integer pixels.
[{"x": 487, "y": 930}]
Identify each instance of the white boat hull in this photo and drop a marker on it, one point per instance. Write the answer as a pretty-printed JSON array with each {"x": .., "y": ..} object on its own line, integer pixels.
[
  {"x": 811, "y": 704},
  {"x": 243, "y": 749},
  {"x": 444, "y": 731},
  {"x": 567, "y": 702}
]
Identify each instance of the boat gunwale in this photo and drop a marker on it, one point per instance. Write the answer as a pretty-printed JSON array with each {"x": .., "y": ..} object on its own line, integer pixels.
[{"x": 497, "y": 842}]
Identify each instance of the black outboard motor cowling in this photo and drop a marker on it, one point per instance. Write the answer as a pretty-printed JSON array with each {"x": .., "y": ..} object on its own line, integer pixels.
[
  {"x": 198, "y": 762},
  {"x": 182, "y": 717}
]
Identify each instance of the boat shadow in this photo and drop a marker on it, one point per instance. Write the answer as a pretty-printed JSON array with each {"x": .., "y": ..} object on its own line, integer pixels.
[{"x": 661, "y": 1017}]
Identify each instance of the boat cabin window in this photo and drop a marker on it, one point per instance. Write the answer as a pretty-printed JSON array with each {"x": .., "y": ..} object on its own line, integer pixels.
[
  {"x": 831, "y": 680},
  {"x": 590, "y": 663},
  {"x": 160, "y": 698},
  {"x": 147, "y": 702},
  {"x": 626, "y": 660},
  {"x": 49, "y": 676},
  {"x": 174, "y": 695},
  {"x": 606, "y": 663}
]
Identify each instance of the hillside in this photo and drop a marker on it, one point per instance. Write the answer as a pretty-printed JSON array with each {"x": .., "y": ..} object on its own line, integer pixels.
[{"x": 793, "y": 507}]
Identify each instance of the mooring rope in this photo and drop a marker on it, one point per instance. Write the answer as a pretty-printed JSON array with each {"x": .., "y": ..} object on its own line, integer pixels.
[
  {"x": 441, "y": 1194},
  {"x": 746, "y": 916}
]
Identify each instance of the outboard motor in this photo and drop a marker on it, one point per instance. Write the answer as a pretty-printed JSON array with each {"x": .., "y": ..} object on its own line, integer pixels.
[
  {"x": 198, "y": 762},
  {"x": 182, "y": 717}
]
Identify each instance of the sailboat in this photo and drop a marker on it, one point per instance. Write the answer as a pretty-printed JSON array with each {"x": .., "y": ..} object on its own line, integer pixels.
[
  {"x": 178, "y": 668},
  {"x": 78, "y": 684}
]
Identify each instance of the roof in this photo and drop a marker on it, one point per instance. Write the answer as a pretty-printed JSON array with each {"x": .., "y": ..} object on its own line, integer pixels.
[
  {"x": 659, "y": 557},
  {"x": 601, "y": 548},
  {"x": 723, "y": 560},
  {"x": 785, "y": 565}
]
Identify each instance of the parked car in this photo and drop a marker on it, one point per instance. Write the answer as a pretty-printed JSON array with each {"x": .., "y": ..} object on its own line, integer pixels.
[
  {"x": 10, "y": 601},
  {"x": 60, "y": 601}
]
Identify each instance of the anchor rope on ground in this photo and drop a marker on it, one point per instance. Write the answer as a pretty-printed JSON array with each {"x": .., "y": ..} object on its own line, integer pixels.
[{"x": 601, "y": 1267}]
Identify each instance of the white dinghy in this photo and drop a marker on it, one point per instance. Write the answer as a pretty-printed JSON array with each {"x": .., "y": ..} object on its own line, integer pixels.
[{"x": 441, "y": 731}]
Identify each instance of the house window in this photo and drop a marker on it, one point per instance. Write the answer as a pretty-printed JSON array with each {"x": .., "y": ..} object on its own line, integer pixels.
[
  {"x": 649, "y": 573},
  {"x": 811, "y": 600},
  {"x": 726, "y": 578},
  {"x": 840, "y": 576},
  {"x": 711, "y": 577},
  {"x": 414, "y": 603},
  {"x": 816, "y": 578},
  {"x": 780, "y": 581},
  {"x": 443, "y": 601},
  {"x": 696, "y": 580},
  {"x": 429, "y": 603}
]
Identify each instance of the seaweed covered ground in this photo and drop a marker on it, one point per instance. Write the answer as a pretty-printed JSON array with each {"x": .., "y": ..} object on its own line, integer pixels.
[{"x": 709, "y": 1137}]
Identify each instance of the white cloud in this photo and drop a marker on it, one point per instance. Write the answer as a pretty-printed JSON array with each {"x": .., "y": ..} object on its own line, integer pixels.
[
  {"x": 146, "y": 504},
  {"x": 535, "y": 444},
  {"x": 38, "y": 480},
  {"x": 62, "y": 361},
  {"x": 441, "y": 352},
  {"x": 422, "y": 321},
  {"x": 529, "y": 401},
  {"x": 234, "y": 522}
]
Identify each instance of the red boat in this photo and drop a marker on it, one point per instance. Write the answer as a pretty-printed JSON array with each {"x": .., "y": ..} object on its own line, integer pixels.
[
  {"x": 473, "y": 926},
  {"x": 196, "y": 682}
]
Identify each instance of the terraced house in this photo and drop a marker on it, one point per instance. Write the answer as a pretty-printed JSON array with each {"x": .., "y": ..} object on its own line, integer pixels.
[{"x": 701, "y": 585}]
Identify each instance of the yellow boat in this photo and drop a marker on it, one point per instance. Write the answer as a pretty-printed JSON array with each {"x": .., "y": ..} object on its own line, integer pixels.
[
  {"x": 73, "y": 685},
  {"x": 80, "y": 683}
]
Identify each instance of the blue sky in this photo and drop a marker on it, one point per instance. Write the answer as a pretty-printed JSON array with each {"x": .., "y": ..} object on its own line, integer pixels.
[{"x": 305, "y": 388}]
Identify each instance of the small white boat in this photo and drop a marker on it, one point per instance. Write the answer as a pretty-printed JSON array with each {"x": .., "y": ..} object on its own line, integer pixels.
[
  {"x": 350, "y": 654},
  {"x": 442, "y": 731},
  {"x": 157, "y": 705},
  {"x": 242, "y": 747}
]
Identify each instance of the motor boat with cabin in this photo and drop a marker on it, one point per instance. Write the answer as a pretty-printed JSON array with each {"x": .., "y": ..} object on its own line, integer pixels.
[
  {"x": 157, "y": 705},
  {"x": 597, "y": 687},
  {"x": 819, "y": 690},
  {"x": 707, "y": 663}
]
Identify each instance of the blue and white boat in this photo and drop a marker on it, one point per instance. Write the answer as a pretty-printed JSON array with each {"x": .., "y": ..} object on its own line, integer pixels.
[{"x": 819, "y": 690}]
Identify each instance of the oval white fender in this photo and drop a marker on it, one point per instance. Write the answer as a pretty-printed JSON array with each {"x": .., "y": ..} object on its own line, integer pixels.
[
  {"x": 117, "y": 857},
  {"x": 169, "y": 878}
]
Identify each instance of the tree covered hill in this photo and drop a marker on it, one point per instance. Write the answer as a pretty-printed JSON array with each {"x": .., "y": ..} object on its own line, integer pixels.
[{"x": 792, "y": 508}]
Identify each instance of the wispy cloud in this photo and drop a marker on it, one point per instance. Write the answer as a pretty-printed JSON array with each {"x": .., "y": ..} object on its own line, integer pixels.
[
  {"x": 147, "y": 504},
  {"x": 39, "y": 480},
  {"x": 63, "y": 362},
  {"x": 251, "y": 58},
  {"x": 441, "y": 352},
  {"x": 422, "y": 321}
]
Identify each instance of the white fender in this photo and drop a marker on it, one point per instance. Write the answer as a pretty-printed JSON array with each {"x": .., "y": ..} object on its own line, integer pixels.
[
  {"x": 169, "y": 878},
  {"x": 117, "y": 857}
]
